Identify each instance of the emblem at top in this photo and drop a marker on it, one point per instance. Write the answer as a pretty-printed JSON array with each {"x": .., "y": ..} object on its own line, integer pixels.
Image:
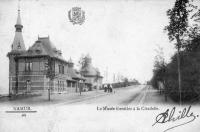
[{"x": 76, "y": 15}]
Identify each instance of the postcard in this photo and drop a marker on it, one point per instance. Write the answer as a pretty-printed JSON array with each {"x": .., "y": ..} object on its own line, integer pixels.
[{"x": 99, "y": 66}]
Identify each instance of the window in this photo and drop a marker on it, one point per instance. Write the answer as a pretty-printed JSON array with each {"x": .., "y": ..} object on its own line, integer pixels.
[
  {"x": 63, "y": 85},
  {"x": 21, "y": 66},
  {"x": 35, "y": 66},
  {"x": 59, "y": 66},
  {"x": 58, "y": 85},
  {"x": 61, "y": 69},
  {"x": 28, "y": 66}
]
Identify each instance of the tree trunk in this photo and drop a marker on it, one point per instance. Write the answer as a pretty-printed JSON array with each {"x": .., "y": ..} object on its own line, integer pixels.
[{"x": 179, "y": 69}]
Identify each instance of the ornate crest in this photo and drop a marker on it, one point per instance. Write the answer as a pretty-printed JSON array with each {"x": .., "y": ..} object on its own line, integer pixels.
[{"x": 76, "y": 15}]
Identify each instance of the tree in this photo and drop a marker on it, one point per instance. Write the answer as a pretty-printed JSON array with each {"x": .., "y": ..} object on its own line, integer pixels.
[
  {"x": 193, "y": 45},
  {"x": 159, "y": 58},
  {"x": 177, "y": 28},
  {"x": 49, "y": 74},
  {"x": 126, "y": 81},
  {"x": 195, "y": 17},
  {"x": 191, "y": 75},
  {"x": 84, "y": 61},
  {"x": 194, "y": 30},
  {"x": 159, "y": 67}
]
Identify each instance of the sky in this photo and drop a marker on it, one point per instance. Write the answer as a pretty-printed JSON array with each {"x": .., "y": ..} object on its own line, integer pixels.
[{"x": 120, "y": 36}]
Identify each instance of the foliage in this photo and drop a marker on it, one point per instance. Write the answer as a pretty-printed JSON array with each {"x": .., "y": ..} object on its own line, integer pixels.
[
  {"x": 158, "y": 75},
  {"x": 159, "y": 68},
  {"x": 177, "y": 30},
  {"x": 126, "y": 81},
  {"x": 187, "y": 38},
  {"x": 190, "y": 63},
  {"x": 84, "y": 61},
  {"x": 178, "y": 17},
  {"x": 193, "y": 45}
]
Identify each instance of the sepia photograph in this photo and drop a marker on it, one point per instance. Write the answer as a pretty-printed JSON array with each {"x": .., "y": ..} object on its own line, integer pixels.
[{"x": 99, "y": 65}]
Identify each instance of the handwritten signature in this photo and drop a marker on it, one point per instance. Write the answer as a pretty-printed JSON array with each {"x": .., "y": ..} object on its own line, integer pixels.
[{"x": 169, "y": 116}]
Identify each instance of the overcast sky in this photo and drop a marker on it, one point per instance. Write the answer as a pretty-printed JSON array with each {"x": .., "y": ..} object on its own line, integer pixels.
[{"x": 120, "y": 35}]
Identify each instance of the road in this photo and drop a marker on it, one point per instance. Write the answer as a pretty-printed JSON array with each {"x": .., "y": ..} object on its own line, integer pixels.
[
  {"x": 73, "y": 113},
  {"x": 137, "y": 95}
]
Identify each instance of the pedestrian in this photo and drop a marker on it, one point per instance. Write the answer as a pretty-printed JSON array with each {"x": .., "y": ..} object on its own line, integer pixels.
[
  {"x": 80, "y": 88},
  {"x": 111, "y": 89},
  {"x": 105, "y": 88}
]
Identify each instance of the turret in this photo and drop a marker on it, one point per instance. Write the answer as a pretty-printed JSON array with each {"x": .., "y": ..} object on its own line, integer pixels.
[
  {"x": 17, "y": 49},
  {"x": 18, "y": 42}
]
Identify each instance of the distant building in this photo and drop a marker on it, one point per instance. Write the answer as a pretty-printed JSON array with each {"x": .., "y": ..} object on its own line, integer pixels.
[
  {"x": 91, "y": 74},
  {"x": 39, "y": 68}
]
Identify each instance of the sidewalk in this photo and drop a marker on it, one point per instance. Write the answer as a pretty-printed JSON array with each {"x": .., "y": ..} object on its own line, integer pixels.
[
  {"x": 64, "y": 98},
  {"x": 153, "y": 97}
]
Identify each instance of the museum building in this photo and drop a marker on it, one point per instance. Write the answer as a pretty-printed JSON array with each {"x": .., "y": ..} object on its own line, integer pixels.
[{"x": 40, "y": 68}]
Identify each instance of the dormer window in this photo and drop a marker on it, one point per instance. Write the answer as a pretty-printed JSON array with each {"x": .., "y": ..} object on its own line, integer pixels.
[
  {"x": 30, "y": 51},
  {"x": 38, "y": 51}
]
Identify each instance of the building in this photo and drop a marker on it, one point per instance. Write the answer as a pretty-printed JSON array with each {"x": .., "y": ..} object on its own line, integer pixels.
[
  {"x": 39, "y": 68},
  {"x": 91, "y": 74},
  {"x": 75, "y": 78}
]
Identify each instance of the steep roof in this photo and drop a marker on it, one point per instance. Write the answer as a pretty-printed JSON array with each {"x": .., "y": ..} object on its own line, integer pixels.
[
  {"x": 72, "y": 73},
  {"x": 19, "y": 18},
  {"x": 90, "y": 71},
  {"x": 18, "y": 42},
  {"x": 44, "y": 47}
]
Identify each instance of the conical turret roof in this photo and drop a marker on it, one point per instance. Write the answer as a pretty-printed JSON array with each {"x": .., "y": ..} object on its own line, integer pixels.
[
  {"x": 18, "y": 43},
  {"x": 19, "y": 18}
]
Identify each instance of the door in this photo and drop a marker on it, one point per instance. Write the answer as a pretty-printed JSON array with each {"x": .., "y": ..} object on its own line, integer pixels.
[{"x": 28, "y": 86}]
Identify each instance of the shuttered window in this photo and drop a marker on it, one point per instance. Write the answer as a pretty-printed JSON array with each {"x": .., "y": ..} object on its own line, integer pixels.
[{"x": 28, "y": 66}]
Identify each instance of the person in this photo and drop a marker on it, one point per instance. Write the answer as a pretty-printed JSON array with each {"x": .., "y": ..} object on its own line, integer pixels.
[
  {"x": 105, "y": 88},
  {"x": 111, "y": 90},
  {"x": 80, "y": 88}
]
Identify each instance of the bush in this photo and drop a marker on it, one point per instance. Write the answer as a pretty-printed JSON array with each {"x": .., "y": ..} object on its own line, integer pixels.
[
  {"x": 159, "y": 75},
  {"x": 190, "y": 76}
]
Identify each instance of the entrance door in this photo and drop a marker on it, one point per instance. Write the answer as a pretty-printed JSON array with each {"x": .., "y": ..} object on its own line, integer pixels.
[{"x": 28, "y": 85}]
